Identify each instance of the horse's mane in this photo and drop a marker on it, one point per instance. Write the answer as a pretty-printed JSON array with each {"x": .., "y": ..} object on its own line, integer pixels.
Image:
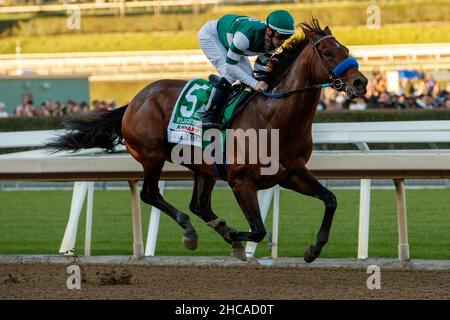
[{"x": 283, "y": 58}]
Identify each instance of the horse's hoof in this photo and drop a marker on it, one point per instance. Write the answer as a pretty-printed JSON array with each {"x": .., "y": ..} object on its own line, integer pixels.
[
  {"x": 238, "y": 251},
  {"x": 190, "y": 243},
  {"x": 309, "y": 255}
]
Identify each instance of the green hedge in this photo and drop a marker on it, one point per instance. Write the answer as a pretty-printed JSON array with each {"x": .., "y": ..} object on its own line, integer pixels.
[
  {"x": 420, "y": 21},
  {"x": 31, "y": 124},
  {"x": 343, "y": 13},
  {"x": 27, "y": 124},
  {"x": 186, "y": 40}
]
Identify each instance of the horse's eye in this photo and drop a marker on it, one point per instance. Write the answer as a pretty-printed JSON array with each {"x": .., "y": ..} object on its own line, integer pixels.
[{"x": 327, "y": 54}]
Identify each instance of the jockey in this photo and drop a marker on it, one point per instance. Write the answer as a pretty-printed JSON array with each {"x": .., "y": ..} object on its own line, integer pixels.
[{"x": 228, "y": 41}]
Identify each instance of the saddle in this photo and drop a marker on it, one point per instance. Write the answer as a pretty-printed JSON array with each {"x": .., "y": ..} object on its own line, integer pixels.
[
  {"x": 240, "y": 94},
  {"x": 185, "y": 125}
]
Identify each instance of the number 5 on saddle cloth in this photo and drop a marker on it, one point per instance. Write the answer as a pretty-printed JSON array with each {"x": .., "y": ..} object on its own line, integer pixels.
[{"x": 185, "y": 126}]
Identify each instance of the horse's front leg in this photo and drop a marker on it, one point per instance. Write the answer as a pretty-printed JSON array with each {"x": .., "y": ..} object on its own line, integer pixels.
[
  {"x": 246, "y": 196},
  {"x": 201, "y": 206},
  {"x": 305, "y": 183}
]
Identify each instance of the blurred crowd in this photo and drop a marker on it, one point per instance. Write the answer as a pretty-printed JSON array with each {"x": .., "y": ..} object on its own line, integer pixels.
[
  {"x": 422, "y": 92},
  {"x": 50, "y": 108},
  {"x": 413, "y": 93}
]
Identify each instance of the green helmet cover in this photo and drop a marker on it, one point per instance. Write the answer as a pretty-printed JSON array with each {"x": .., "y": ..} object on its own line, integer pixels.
[{"x": 281, "y": 21}]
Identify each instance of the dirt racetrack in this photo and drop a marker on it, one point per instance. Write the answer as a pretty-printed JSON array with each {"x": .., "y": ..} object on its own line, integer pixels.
[{"x": 100, "y": 281}]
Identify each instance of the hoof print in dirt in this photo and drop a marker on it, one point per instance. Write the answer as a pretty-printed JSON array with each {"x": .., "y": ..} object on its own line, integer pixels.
[
  {"x": 114, "y": 277},
  {"x": 13, "y": 279}
]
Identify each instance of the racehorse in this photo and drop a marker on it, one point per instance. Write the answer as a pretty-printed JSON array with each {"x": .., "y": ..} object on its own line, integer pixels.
[{"x": 298, "y": 72}]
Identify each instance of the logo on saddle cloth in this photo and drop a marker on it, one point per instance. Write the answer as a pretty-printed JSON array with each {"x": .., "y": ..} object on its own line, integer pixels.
[{"x": 185, "y": 126}]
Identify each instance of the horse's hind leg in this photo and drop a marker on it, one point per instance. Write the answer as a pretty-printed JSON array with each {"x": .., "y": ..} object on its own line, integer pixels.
[
  {"x": 246, "y": 196},
  {"x": 201, "y": 206},
  {"x": 306, "y": 184},
  {"x": 150, "y": 195}
]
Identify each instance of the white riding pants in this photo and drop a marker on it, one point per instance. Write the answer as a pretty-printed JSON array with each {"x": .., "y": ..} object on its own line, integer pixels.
[{"x": 217, "y": 54}]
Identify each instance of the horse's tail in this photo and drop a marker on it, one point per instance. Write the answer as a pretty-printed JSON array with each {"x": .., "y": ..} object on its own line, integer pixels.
[{"x": 100, "y": 130}]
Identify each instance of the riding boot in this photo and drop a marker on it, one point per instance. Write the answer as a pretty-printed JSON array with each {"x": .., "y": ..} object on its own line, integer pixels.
[{"x": 211, "y": 118}]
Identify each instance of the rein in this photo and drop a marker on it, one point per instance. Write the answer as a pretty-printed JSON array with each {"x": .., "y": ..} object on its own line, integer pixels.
[
  {"x": 279, "y": 95},
  {"x": 334, "y": 74}
]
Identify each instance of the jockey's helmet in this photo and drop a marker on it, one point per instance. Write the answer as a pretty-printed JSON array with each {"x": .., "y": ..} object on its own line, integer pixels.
[{"x": 282, "y": 22}]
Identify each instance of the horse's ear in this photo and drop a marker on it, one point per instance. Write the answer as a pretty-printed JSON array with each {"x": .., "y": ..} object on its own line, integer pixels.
[
  {"x": 327, "y": 31},
  {"x": 309, "y": 34}
]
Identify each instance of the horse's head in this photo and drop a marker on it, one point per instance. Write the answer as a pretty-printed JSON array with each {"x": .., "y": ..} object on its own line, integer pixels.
[{"x": 331, "y": 61}]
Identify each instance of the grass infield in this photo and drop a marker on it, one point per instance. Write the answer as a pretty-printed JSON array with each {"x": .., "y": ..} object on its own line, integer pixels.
[{"x": 33, "y": 222}]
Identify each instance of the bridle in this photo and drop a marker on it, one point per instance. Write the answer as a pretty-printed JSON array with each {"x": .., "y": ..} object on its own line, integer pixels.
[
  {"x": 333, "y": 73},
  {"x": 339, "y": 69}
]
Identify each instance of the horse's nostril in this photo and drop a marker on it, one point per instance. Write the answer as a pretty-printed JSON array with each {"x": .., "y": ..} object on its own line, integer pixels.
[{"x": 358, "y": 84}]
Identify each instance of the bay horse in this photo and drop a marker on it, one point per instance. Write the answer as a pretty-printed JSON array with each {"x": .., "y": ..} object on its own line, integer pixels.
[{"x": 142, "y": 127}]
